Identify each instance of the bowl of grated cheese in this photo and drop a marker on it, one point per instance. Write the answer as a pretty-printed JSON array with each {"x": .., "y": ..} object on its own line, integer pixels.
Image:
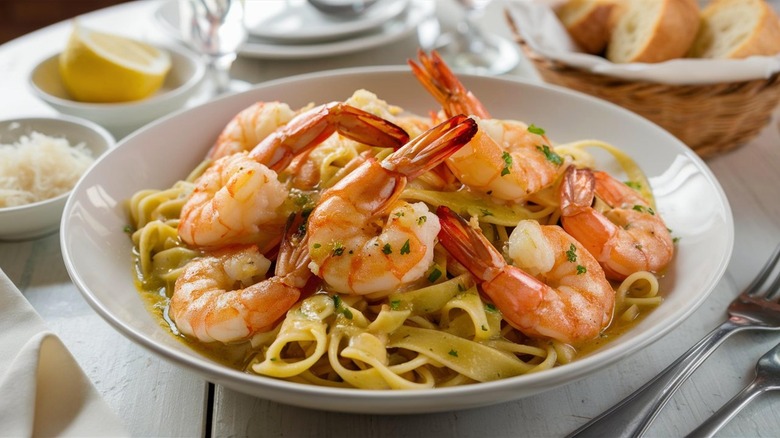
[{"x": 41, "y": 159}]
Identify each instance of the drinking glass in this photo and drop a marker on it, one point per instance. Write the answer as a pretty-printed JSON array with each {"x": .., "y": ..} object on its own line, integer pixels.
[
  {"x": 468, "y": 49},
  {"x": 215, "y": 28}
]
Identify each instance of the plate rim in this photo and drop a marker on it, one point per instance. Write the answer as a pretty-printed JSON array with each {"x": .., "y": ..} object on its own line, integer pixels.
[
  {"x": 417, "y": 12},
  {"x": 345, "y": 28}
]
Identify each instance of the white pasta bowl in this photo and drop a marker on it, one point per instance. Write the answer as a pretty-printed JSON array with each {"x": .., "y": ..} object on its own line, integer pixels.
[
  {"x": 43, "y": 217},
  {"x": 98, "y": 254},
  {"x": 181, "y": 84}
]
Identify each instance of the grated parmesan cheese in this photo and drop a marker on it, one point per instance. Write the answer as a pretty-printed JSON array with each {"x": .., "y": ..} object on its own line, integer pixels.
[{"x": 39, "y": 167}]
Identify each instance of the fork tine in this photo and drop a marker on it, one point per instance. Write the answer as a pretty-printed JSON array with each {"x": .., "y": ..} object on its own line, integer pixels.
[
  {"x": 773, "y": 291},
  {"x": 755, "y": 286}
]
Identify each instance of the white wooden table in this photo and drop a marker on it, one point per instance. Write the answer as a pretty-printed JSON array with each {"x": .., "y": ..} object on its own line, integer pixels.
[{"x": 157, "y": 399}]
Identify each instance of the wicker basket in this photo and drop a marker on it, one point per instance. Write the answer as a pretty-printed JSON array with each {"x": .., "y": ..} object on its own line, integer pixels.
[{"x": 710, "y": 119}]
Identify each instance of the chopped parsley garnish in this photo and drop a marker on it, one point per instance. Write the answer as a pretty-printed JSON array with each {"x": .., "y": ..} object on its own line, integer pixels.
[
  {"x": 400, "y": 214},
  {"x": 490, "y": 307},
  {"x": 405, "y": 249},
  {"x": 340, "y": 308},
  {"x": 507, "y": 163},
  {"x": 316, "y": 245},
  {"x": 395, "y": 304},
  {"x": 434, "y": 275},
  {"x": 302, "y": 200},
  {"x": 533, "y": 129},
  {"x": 581, "y": 269},
  {"x": 642, "y": 209},
  {"x": 550, "y": 155},
  {"x": 634, "y": 185},
  {"x": 486, "y": 212},
  {"x": 421, "y": 220},
  {"x": 338, "y": 249},
  {"x": 453, "y": 353},
  {"x": 128, "y": 229},
  {"x": 387, "y": 249},
  {"x": 571, "y": 254}
]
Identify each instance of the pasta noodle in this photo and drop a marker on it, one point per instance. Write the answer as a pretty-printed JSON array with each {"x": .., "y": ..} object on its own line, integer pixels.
[{"x": 438, "y": 331}]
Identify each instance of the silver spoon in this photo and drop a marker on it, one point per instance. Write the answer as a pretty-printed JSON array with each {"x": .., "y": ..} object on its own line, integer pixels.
[{"x": 343, "y": 8}]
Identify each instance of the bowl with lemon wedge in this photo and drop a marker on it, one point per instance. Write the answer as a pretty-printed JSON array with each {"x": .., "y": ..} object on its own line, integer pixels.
[{"x": 117, "y": 82}]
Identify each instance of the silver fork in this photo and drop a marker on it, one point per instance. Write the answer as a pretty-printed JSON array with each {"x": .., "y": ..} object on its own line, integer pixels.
[
  {"x": 767, "y": 378},
  {"x": 756, "y": 308}
]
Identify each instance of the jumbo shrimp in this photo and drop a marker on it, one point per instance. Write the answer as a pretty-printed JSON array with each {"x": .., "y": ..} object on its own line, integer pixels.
[
  {"x": 237, "y": 199},
  {"x": 249, "y": 127},
  {"x": 554, "y": 288},
  {"x": 206, "y": 305},
  {"x": 507, "y": 159},
  {"x": 362, "y": 238},
  {"x": 627, "y": 235}
]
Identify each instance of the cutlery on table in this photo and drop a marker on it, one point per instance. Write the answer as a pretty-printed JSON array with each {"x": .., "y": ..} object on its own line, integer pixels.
[
  {"x": 756, "y": 308},
  {"x": 767, "y": 378}
]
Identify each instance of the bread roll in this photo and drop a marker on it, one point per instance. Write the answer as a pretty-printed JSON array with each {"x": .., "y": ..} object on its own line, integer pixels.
[
  {"x": 588, "y": 22},
  {"x": 653, "y": 30},
  {"x": 737, "y": 29}
]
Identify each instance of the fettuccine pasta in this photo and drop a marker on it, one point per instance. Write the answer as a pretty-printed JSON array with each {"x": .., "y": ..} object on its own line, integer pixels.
[{"x": 436, "y": 330}]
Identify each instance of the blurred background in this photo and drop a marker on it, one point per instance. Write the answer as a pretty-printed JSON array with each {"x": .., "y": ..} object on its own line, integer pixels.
[{"x": 18, "y": 17}]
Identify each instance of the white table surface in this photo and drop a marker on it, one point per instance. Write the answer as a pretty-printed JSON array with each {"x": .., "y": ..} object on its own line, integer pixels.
[{"x": 155, "y": 398}]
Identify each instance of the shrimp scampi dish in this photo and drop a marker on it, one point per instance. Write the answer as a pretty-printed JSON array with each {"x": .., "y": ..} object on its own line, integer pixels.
[{"x": 356, "y": 244}]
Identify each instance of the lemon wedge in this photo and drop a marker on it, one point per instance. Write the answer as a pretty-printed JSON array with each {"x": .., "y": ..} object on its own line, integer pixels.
[{"x": 101, "y": 67}]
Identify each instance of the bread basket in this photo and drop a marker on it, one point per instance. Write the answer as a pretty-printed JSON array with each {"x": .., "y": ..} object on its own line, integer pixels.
[{"x": 711, "y": 119}]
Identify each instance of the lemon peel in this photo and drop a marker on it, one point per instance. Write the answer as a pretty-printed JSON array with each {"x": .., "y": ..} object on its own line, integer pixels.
[{"x": 102, "y": 67}]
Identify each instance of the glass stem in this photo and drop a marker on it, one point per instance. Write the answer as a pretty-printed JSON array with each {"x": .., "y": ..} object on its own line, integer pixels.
[
  {"x": 220, "y": 71},
  {"x": 470, "y": 34}
]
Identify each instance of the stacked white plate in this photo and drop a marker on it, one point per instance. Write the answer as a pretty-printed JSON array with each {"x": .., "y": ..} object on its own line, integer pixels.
[{"x": 294, "y": 29}]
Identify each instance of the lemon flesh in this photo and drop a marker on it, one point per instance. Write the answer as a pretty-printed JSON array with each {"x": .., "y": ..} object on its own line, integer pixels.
[{"x": 100, "y": 67}]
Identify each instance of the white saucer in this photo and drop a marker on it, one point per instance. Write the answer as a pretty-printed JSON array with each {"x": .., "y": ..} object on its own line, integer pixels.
[
  {"x": 298, "y": 21},
  {"x": 417, "y": 11}
]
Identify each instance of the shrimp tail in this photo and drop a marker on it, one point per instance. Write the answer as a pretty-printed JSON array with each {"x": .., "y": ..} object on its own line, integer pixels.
[
  {"x": 293, "y": 259},
  {"x": 445, "y": 87},
  {"x": 516, "y": 293},
  {"x": 312, "y": 127},
  {"x": 468, "y": 246},
  {"x": 432, "y": 147},
  {"x": 367, "y": 128},
  {"x": 577, "y": 190},
  {"x": 615, "y": 193}
]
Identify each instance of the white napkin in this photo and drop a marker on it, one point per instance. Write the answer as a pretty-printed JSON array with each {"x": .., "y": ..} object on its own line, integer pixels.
[
  {"x": 545, "y": 34},
  {"x": 43, "y": 391}
]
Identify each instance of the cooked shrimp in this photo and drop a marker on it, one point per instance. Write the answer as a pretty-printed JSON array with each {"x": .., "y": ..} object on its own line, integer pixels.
[
  {"x": 314, "y": 126},
  {"x": 554, "y": 288},
  {"x": 352, "y": 248},
  {"x": 628, "y": 237},
  {"x": 507, "y": 159},
  {"x": 238, "y": 197},
  {"x": 205, "y": 305},
  {"x": 236, "y": 201},
  {"x": 249, "y": 127}
]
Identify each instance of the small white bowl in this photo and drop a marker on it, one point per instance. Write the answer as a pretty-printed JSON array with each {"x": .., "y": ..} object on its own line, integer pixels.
[
  {"x": 181, "y": 83},
  {"x": 41, "y": 218}
]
